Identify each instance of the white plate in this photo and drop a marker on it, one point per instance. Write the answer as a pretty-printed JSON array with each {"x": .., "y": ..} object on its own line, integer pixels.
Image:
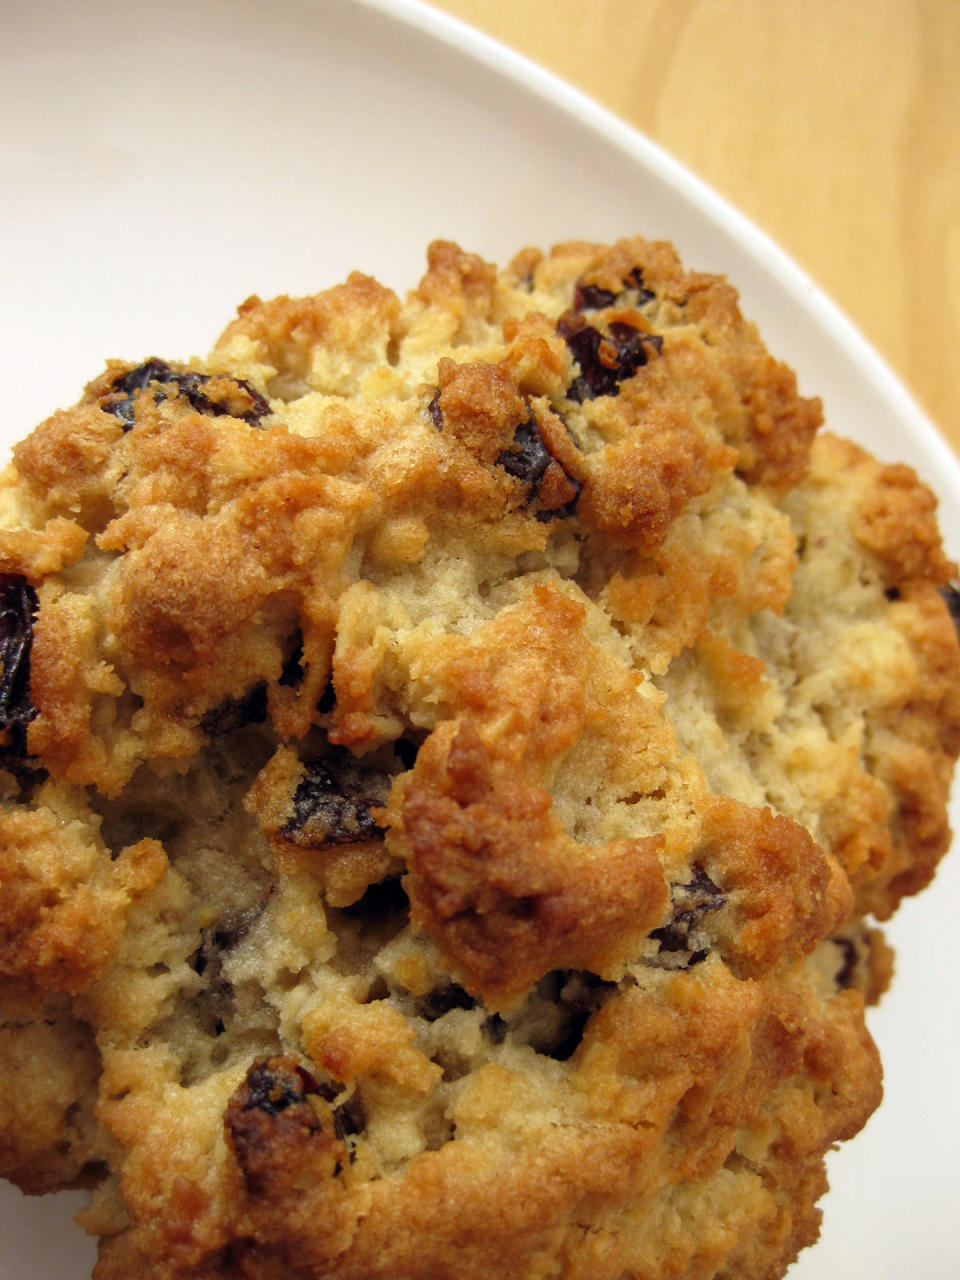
[{"x": 160, "y": 161}]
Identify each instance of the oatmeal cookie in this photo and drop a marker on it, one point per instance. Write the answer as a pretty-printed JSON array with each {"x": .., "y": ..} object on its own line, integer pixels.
[{"x": 456, "y": 754}]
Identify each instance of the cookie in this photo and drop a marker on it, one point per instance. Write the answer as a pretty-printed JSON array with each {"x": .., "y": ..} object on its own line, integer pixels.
[{"x": 457, "y": 755}]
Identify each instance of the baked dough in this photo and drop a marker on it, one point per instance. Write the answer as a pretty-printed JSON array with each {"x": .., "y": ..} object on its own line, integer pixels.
[{"x": 456, "y": 754}]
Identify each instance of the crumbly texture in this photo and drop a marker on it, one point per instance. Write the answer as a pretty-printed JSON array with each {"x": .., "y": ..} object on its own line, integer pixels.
[{"x": 456, "y": 753}]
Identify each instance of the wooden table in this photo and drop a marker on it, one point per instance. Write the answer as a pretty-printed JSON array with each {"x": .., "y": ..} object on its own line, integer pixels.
[{"x": 834, "y": 125}]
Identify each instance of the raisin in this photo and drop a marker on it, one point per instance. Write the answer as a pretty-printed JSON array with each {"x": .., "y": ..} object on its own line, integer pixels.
[
  {"x": 635, "y": 281},
  {"x": 192, "y": 385},
  {"x": 591, "y": 297},
  {"x": 951, "y": 598},
  {"x": 528, "y": 459},
  {"x": 691, "y": 902},
  {"x": 119, "y": 400},
  {"x": 605, "y": 360},
  {"x": 435, "y": 412},
  {"x": 18, "y": 611},
  {"x": 281, "y": 1133},
  {"x": 847, "y": 972},
  {"x": 229, "y": 396},
  {"x": 226, "y": 934},
  {"x": 332, "y": 803},
  {"x": 215, "y": 1001},
  {"x": 274, "y": 1084},
  {"x": 236, "y": 713}
]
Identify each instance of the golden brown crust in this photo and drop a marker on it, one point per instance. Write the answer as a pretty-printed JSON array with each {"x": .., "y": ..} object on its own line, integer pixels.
[
  {"x": 64, "y": 901},
  {"x": 353, "y": 318},
  {"x": 504, "y": 896},
  {"x": 784, "y": 893},
  {"x": 740, "y": 1045},
  {"x": 753, "y": 396},
  {"x": 644, "y": 482},
  {"x": 890, "y": 828},
  {"x": 454, "y": 753}
]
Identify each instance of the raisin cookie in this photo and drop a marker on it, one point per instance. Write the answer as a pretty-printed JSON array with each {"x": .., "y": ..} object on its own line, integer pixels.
[{"x": 455, "y": 755}]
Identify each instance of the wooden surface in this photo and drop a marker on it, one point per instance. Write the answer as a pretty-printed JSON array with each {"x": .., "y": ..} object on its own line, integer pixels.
[{"x": 834, "y": 125}]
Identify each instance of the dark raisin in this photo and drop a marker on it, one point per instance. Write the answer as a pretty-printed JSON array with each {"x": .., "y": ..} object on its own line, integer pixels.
[
  {"x": 27, "y": 771},
  {"x": 893, "y": 593},
  {"x": 280, "y": 1135},
  {"x": 528, "y": 460},
  {"x": 215, "y": 1001},
  {"x": 591, "y": 297},
  {"x": 605, "y": 360},
  {"x": 193, "y": 386},
  {"x": 236, "y": 713},
  {"x": 690, "y": 903},
  {"x": 119, "y": 400},
  {"x": 544, "y": 515},
  {"x": 635, "y": 281},
  {"x": 274, "y": 1084},
  {"x": 18, "y": 611},
  {"x": 951, "y": 597},
  {"x": 227, "y": 933},
  {"x": 440, "y": 1001},
  {"x": 435, "y": 412},
  {"x": 332, "y": 814},
  {"x": 847, "y": 972},
  {"x": 229, "y": 396},
  {"x": 140, "y": 377},
  {"x": 332, "y": 803}
]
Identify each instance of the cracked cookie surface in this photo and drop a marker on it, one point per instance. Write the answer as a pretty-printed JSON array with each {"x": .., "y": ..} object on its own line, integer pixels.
[{"x": 455, "y": 754}]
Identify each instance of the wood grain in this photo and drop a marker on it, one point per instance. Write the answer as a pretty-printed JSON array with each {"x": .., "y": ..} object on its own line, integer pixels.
[{"x": 834, "y": 127}]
